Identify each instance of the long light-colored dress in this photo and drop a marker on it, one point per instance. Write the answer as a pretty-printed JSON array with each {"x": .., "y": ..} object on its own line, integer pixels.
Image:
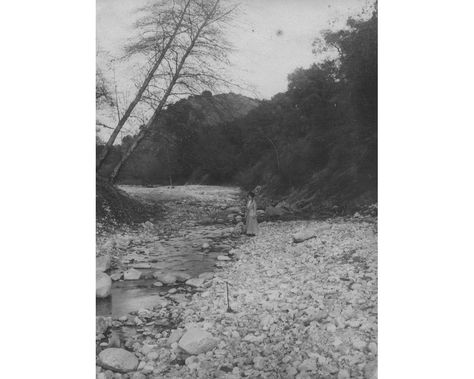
[{"x": 251, "y": 221}]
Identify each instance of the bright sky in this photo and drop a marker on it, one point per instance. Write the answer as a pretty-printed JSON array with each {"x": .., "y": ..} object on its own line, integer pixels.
[{"x": 262, "y": 59}]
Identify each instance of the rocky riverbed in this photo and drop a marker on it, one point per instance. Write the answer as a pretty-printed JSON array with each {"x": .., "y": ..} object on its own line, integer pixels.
[
  {"x": 199, "y": 224},
  {"x": 292, "y": 310}
]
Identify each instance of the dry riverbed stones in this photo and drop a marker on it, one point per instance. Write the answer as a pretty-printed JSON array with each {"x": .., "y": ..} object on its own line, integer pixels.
[
  {"x": 299, "y": 310},
  {"x": 103, "y": 284},
  {"x": 118, "y": 360}
]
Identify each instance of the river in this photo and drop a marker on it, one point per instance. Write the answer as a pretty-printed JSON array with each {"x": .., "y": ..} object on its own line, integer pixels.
[{"x": 197, "y": 226}]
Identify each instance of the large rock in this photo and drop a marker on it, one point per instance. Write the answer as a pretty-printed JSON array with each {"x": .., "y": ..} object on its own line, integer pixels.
[
  {"x": 118, "y": 360},
  {"x": 102, "y": 263},
  {"x": 195, "y": 282},
  {"x": 165, "y": 278},
  {"x": 103, "y": 284},
  {"x": 309, "y": 233},
  {"x": 197, "y": 341},
  {"x": 132, "y": 274}
]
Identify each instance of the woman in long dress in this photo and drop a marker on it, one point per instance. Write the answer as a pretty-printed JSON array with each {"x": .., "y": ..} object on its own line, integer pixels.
[{"x": 251, "y": 221}]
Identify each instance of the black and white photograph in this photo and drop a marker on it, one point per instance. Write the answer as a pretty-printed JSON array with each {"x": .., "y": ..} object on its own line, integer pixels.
[
  {"x": 226, "y": 189},
  {"x": 236, "y": 189}
]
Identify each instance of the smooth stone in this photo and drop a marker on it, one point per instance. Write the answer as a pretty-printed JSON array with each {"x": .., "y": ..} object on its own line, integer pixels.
[
  {"x": 175, "y": 336},
  {"x": 102, "y": 263},
  {"x": 164, "y": 278},
  {"x": 158, "y": 284},
  {"x": 370, "y": 370},
  {"x": 343, "y": 374},
  {"x": 373, "y": 348},
  {"x": 309, "y": 233},
  {"x": 223, "y": 258},
  {"x": 102, "y": 324},
  {"x": 197, "y": 341},
  {"x": 117, "y": 359},
  {"x": 103, "y": 284},
  {"x": 195, "y": 282},
  {"x": 132, "y": 274},
  {"x": 206, "y": 275},
  {"x": 116, "y": 276}
]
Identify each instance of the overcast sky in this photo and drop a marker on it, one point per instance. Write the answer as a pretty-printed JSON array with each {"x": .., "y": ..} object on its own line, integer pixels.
[{"x": 262, "y": 58}]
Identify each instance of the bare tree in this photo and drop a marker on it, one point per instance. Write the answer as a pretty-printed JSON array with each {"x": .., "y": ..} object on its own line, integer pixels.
[
  {"x": 192, "y": 63},
  {"x": 162, "y": 41}
]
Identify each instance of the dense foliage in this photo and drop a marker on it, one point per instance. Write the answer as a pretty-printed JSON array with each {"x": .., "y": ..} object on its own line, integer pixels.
[
  {"x": 316, "y": 143},
  {"x": 319, "y": 139}
]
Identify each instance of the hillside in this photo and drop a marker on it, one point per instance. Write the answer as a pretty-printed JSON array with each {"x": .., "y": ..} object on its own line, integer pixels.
[
  {"x": 162, "y": 155},
  {"x": 313, "y": 147}
]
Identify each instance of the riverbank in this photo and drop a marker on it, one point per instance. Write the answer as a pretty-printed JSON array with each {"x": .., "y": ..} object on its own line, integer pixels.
[
  {"x": 302, "y": 310},
  {"x": 197, "y": 225}
]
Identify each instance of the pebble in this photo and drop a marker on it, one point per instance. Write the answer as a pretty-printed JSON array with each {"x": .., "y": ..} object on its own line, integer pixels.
[
  {"x": 223, "y": 258},
  {"x": 343, "y": 374},
  {"x": 373, "y": 348}
]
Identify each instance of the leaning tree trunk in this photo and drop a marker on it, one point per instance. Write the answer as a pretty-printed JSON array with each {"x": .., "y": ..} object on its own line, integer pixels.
[
  {"x": 106, "y": 149},
  {"x": 144, "y": 130}
]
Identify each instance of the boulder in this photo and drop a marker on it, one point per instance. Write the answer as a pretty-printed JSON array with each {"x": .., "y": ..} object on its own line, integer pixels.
[
  {"x": 309, "y": 233},
  {"x": 303, "y": 235},
  {"x": 119, "y": 360},
  {"x": 197, "y": 341},
  {"x": 195, "y": 282},
  {"x": 167, "y": 278},
  {"x": 102, "y": 263},
  {"x": 103, "y": 284},
  {"x": 158, "y": 284},
  {"x": 132, "y": 274}
]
